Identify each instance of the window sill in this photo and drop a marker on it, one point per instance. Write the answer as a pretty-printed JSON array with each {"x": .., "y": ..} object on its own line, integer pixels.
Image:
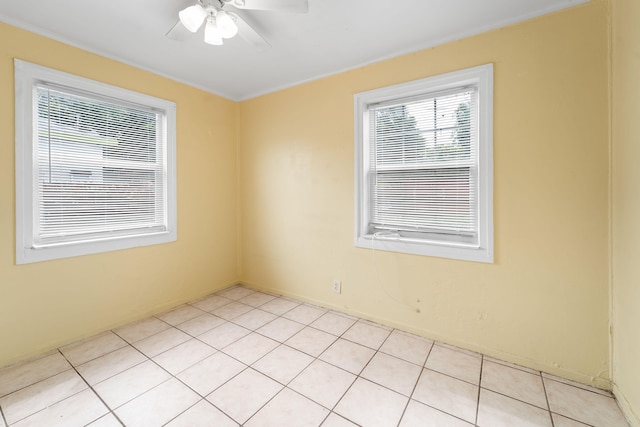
[
  {"x": 27, "y": 255},
  {"x": 441, "y": 249}
]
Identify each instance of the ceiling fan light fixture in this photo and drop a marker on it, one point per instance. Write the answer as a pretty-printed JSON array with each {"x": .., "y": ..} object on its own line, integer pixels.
[
  {"x": 226, "y": 24},
  {"x": 192, "y": 17},
  {"x": 212, "y": 33}
]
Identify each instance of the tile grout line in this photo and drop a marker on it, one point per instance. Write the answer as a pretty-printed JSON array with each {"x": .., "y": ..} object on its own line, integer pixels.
[
  {"x": 546, "y": 396},
  {"x": 547, "y": 409},
  {"x": 4, "y": 419},
  {"x": 211, "y": 403},
  {"x": 90, "y": 387},
  {"x": 404, "y": 411},
  {"x": 342, "y": 397},
  {"x": 453, "y": 377},
  {"x": 432, "y": 370},
  {"x": 131, "y": 343},
  {"x": 540, "y": 375},
  {"x": 148, "y": 359},
  {"x": 515, "y": 398},
  {"x": 317, "y": 358},
  {"x": 202, "y": 398},
  {"x": 324, "y": 420},
  {"x": 583, "y": 387},
  {"x": 40, "y": 380},
  {"x": 512, "y": 365},
  {"x": 54, "y": 403},
  {"x": 284, "y": 386},
  {"x": 182, "y": 382},
  {"x": 424, "y": 367},
  {"x": 479, "y": 389},
  {"x": 267, "y": 402}
]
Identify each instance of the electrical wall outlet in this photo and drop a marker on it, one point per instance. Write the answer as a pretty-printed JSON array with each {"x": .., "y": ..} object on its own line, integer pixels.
[{"x": 336, "y": 286}]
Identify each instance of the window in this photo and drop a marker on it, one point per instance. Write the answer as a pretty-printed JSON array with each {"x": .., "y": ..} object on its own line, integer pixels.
[
  {"x": 95, "y": 166},
  {"x": 424, "y": 167}
]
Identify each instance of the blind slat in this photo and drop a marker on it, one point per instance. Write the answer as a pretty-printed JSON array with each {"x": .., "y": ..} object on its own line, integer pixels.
[
  {"x": 423, "y": 164},
  {"x": 101, "y": 167}
]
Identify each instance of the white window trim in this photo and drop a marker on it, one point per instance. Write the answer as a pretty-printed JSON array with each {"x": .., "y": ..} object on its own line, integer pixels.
[
  {"x": 26, "y": 76},
  {"x": 482, "y": 76}
]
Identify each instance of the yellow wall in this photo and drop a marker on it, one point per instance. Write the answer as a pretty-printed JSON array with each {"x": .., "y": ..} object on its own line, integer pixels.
[
  {"x": 626, "y": 205},
  {"x": 544, "y": 302},
  {"x": 47, "y": 304}
]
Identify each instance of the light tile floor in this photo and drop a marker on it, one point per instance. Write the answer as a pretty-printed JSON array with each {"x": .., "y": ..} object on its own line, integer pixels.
[{"x": 241, "y": 357}]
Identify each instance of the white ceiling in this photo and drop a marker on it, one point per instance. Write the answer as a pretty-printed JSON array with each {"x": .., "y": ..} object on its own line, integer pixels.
[{"x": 336, "y": 35}]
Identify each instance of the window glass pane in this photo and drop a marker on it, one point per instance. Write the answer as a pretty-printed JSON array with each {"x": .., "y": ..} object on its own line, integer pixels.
[
  {"x": 100, "y": 167},
  {"x": 428, "y": 200},
  {"x": 423, "y": 165},
  {"x": 429, "y": 130}
]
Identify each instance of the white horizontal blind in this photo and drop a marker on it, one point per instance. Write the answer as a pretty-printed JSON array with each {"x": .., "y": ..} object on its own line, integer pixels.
[
  {"x": 101, "y": 167},
  {"x": 423, "y": 165}
]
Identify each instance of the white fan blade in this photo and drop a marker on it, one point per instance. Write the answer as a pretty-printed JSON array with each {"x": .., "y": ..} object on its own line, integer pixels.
[
  {"x": 178, "y": 32},
  {"x": 248, "y": 33},
  {"x": 293, "y": 6}
]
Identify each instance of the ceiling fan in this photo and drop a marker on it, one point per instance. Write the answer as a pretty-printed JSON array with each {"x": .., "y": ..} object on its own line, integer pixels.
[{"x": 223, "y": 20}]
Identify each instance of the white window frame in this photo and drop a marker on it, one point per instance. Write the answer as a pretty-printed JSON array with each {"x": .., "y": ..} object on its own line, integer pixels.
[
  {"x": 27, "y": 75},
  {"x": 482, "y": 78}
]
